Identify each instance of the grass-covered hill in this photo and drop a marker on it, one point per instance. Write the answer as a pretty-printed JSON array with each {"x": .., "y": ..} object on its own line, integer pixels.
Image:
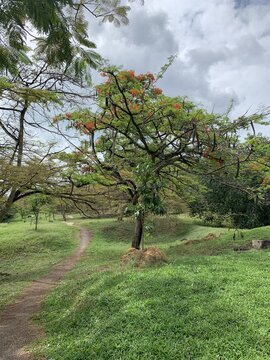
[{"x": 208, "y": 302}]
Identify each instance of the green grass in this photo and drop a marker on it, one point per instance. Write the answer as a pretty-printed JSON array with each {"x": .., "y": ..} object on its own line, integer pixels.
[
  {"x": 208, "y": 303},
  {"x": 26, "y": 254}
]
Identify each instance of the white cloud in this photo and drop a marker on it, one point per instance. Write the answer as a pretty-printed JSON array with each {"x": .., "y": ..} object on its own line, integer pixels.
[{"x": 223, "y": 49}]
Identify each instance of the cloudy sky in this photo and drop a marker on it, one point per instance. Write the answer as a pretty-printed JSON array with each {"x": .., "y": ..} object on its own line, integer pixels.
[{"x": 223, "y": 49}]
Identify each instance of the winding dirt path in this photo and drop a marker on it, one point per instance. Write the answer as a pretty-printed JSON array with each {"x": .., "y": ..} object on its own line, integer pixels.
[{"x": 16, "y": 328}]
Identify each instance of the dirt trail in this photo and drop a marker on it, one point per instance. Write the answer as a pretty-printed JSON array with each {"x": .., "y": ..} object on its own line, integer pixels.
[{"x": 16, "y": 328}]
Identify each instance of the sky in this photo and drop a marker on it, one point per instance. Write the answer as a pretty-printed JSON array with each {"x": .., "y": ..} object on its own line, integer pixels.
[{"x": 222, "y": 47}]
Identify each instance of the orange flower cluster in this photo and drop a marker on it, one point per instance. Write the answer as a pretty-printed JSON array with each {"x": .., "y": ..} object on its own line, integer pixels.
[
  {"x": 126, "y": 75},
  {"x": 89, "y": 125},
  {"x": 134, "y": 107},
  {"x": 158, "y": 91},
  {"x": 143, "y": 77},
  {"x": 131, "y": 73},
  {"x": 134, "y": 92},
  {"x": 177, "y": 106},
  {"x": 254, "y": 167}
]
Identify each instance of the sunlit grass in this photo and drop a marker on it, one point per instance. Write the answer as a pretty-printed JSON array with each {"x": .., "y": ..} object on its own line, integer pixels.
[{"x": 208, "y": 302}]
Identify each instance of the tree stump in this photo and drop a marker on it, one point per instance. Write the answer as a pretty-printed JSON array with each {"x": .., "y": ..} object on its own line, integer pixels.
[{"x": 260, "y": 244}]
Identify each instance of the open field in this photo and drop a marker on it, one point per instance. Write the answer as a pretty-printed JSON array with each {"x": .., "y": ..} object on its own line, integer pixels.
[
  {"x": 26, "y": 254},
  {"x": 208, "y": 302}
]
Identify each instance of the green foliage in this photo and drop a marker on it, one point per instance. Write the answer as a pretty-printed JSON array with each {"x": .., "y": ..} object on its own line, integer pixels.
[
  {"x": 241, "y": 197},
  {"x": 222, "y": 201},
  {"x": 149, "y": 187},
  {"x": 19, "y": 93},
  {"x": 60, "y": 26}
]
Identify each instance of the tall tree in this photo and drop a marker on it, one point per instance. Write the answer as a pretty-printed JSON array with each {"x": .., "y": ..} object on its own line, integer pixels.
[
  {"x": 242, "y": 201},
  {"x": 143, "y": 142},
  {"x": 24, "y": 97}
]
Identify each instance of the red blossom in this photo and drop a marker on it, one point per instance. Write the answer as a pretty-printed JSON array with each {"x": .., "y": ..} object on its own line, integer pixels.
[
  {"x": 150, "y": 76},
  {"x": 177, "y": 106},
  {"x": 134, "y": 92},
  {"x": 141, "y": 77},
  {"x": 89, "y": 125},
  {"x": 157, "y": 91},
  {"x": 134, "y": 107},
  {"x": 131, "y": 73},
  {"x": 68, "y": 115}
]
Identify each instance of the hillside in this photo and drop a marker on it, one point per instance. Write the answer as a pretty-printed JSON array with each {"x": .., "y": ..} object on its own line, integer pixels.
[{"x": 208, "y": 302}]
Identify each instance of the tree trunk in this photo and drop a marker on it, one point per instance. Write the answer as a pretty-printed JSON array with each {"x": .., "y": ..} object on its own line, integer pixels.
[
  {"x": 63, "y": 212},
  {"x": 36, "y": 220},
  {"x": 139, "y": 223},
  {"x": 19, "y": 149},
  {"x": 7, "y": 206}
]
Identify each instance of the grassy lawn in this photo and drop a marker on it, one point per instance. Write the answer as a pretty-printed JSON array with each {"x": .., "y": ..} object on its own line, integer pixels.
[
  {"x": 26, "y": 254},
  {"x": 209, "y": 302}
]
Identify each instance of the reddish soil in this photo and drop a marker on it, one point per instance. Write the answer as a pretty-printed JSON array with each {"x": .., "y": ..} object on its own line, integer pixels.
[{"x": 16, "y": 328}]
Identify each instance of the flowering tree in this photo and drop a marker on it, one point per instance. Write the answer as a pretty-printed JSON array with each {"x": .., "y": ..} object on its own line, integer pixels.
[{"x": 144, "y": 142}]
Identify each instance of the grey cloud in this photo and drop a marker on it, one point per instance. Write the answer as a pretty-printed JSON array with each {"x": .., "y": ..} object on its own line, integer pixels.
[
  {"x": 205, "y": 57},
  {"x": 241, "y": 3},
  {"x": 184, "y": 80},
  {"x": 150, "y": 30},
  {"x": 246, "y": 51},
  {"x": 192, "y": 22},
  {"x": 244, "y": 3},
  {"x": 249, "y": 51}
]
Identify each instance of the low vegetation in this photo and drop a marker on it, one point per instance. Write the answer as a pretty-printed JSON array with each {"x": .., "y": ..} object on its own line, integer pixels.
[
  {"x": 26, "y": 254},
  {"x": 208, "y": 302}
]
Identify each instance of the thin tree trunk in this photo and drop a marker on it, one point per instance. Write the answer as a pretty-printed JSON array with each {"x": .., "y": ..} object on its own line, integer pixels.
[
  {"x": 139, "y": 223},
  {"x": 36, "y": 220},
  {"x": 63, "y": 212}
]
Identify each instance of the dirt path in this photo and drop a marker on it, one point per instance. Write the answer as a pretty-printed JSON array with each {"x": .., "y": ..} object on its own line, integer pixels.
[{"x": 16, "y": 328}]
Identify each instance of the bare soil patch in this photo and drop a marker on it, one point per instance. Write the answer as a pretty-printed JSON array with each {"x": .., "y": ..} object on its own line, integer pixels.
[{"x": 208, "y": 237}]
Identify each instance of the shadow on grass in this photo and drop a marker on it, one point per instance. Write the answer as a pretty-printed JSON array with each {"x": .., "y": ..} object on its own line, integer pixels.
[{"x": 162, "y": 230}]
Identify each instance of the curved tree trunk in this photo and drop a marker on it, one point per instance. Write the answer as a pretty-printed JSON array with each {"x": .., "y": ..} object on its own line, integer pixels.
[{"x": 7, "y": 205}]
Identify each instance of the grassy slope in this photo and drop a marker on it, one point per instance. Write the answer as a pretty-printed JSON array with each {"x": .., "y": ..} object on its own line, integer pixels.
[
  {"x": 199, "y": 306},
  {"x": 26, "y": 254}
]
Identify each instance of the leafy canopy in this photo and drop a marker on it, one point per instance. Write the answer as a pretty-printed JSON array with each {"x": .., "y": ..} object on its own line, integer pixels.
[
  {"x": 145, "y": 141},
  {"x": 58, "y": 28}
]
